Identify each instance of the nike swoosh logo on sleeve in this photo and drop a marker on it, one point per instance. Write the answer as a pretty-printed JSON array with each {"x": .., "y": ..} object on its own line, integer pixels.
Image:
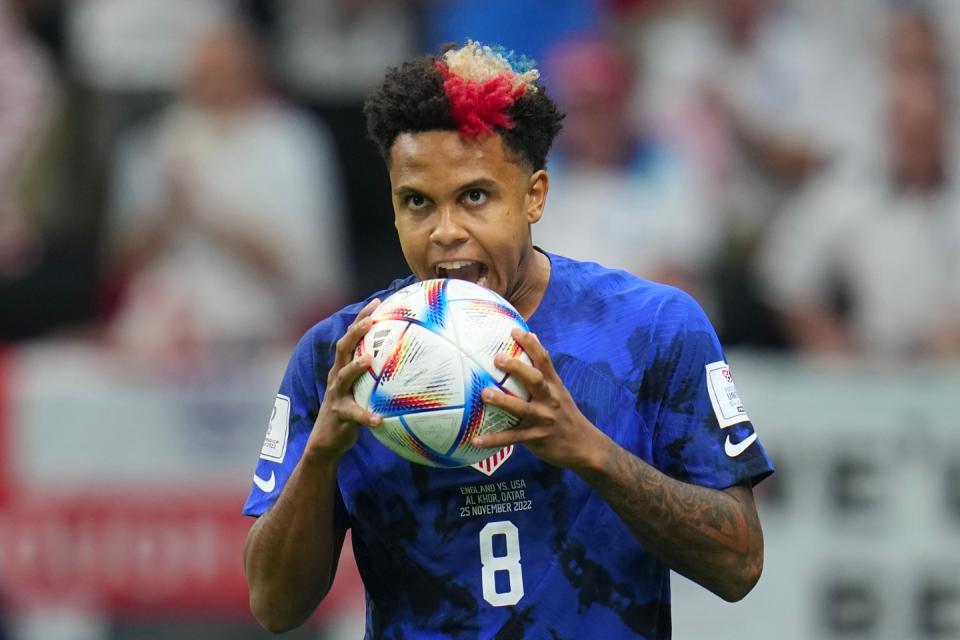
[
  {"x": 734, "y": 449},
  {"x": 267, "y": 486}
]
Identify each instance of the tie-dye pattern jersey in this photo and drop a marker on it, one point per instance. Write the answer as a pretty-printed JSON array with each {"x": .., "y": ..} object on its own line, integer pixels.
[{"x": 518, "y": 548}]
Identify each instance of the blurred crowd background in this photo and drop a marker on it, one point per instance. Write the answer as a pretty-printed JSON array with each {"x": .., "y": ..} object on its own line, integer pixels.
[
  {"x": 186, "y": 186},
  {"x": 184, "y": 172}
]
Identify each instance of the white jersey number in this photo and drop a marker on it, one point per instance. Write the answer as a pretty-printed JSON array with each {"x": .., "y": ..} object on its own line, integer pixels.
[{"x": 493, "y": 564}]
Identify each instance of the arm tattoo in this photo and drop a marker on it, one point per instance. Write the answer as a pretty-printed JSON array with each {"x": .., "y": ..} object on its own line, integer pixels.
[{"x": 712, "y": 537}]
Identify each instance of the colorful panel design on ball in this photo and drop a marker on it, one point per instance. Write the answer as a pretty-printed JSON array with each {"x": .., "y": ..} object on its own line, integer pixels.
[
  {"x": 436, "y": 304},
  {"x": 424, "y": 372},
  {"x": 484, "y": 329}
]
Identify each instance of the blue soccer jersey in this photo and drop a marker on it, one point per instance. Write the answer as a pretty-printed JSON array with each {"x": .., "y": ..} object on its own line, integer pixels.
[{"x": 515, "y": 547}]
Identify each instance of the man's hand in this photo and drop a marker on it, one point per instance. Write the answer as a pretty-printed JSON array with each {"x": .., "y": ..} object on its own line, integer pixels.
[
  {"x": 338, "y": 423},
  {"x": 712, "y": 537},
  {"x": 551, "y": 425}
]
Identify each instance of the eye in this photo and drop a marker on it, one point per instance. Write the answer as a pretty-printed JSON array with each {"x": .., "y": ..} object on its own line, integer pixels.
[
  {"x": 416, "y": 201},
  {"x": 476, "y": 197}
]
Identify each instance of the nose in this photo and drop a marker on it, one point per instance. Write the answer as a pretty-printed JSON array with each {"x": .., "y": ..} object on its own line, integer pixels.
[{"x": 448, "y": 230}]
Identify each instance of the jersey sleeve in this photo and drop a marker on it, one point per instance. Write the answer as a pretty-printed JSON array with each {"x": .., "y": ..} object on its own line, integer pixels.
[
  {"x": 294, "y": 411},
  {"x": 702, "y": 433}
]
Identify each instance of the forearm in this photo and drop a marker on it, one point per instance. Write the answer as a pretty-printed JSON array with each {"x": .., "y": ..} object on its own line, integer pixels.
[
  {"x": 292, "y": 550},
  {"x": 712, "y": 537}
]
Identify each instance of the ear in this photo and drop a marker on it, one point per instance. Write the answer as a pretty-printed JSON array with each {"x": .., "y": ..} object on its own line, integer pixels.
[{"x": 537, "y": 186}]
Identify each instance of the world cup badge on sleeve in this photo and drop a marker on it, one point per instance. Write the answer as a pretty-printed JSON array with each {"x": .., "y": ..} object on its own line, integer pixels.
[{"x": 278, "y": 430}]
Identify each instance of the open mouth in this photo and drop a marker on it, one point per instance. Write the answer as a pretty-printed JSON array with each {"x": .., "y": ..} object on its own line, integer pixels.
[{"x": 475, "y": 272}]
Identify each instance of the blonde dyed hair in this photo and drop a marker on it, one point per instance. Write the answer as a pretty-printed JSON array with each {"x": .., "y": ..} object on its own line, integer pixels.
[{"x": 475, "y": 62}]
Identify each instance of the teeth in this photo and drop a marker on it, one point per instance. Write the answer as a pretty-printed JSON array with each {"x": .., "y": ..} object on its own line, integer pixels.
[
  {"x": 443, "y": 268},
  {"x": 456, "y": 264}
]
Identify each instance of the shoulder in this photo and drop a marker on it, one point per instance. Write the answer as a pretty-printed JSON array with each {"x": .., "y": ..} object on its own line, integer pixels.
[
  {"x": 618, "y": 293},
  {"x": 619, "y": 321}
]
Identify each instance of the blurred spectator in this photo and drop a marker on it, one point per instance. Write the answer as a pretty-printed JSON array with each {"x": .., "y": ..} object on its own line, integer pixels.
[
  {"x": 137, "y": 45},
  {"x": 621, "y": 196},
  {"x": 749, "y": 88},
  {"x": 914, "y": 46},
  {"x": 226, "y": 223},
  {"x": 760, "y": 73},
  {"x": 331, "y": 53},
  {"x": 945, "y": 14},
  {"x": 125, "y": 58},
  {"x": 868, "y": 259},
  {"x": 26, "y": 108}
]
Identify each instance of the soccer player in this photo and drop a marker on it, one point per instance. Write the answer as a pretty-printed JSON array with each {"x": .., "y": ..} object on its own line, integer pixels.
[{"x": 633, "y": 456}]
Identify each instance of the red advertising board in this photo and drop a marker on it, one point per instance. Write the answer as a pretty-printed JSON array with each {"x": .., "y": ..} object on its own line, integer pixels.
[
  {"x": 128, "y": 547},
  {"x": 137, "y": 554}
]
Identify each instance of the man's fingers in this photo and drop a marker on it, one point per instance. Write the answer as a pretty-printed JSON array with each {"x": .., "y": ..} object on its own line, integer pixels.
[
  {"x": 508, "y": 437},
  {"x": 529, "y": 376},
  {"x": 349, "y": 373},
  {"x": 512, "y": 404},
  {"x": 536, "y": 351},
  {"x": 368, "y": 309},
  {"x": 352, "y": 412},
  {"x": 354, "y": 333}
]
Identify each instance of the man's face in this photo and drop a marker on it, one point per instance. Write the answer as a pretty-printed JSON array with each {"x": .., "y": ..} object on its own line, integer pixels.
[{"x": 463, "y": 209}]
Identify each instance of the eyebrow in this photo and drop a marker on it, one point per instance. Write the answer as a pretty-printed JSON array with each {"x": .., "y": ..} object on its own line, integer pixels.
[
  {"x": 404, "y": 190},
  {"x": 479, "y": 183}
]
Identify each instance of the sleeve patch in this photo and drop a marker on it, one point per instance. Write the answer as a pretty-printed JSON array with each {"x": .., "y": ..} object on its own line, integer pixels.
[
  {"x": 723, "y": 395},
  {"x": 275, "y": 443}
]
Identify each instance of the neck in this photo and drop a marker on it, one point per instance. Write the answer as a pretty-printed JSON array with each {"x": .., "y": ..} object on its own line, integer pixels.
[{"x": 529, "y": 291}]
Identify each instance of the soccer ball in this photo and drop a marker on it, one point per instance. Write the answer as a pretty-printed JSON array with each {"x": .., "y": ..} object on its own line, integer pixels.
[{"x": 433, "y": 344}]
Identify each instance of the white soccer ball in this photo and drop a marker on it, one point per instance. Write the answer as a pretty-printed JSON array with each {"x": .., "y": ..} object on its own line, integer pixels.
[{"x": 433, "y": 344}]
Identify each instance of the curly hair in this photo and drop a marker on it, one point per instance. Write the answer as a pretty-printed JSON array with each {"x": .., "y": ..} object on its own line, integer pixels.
[{"x": 413, "y": 98}]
